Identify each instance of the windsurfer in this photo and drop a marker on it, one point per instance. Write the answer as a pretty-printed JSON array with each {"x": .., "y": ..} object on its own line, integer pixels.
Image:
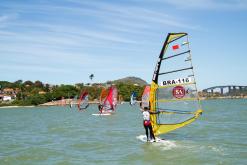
[
  {"x": 100, "y": 107},
  {"x": 147, "y": 123}
]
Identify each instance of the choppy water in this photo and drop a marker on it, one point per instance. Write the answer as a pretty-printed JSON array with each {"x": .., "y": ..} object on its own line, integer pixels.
[{"x": 59, "y": 135}]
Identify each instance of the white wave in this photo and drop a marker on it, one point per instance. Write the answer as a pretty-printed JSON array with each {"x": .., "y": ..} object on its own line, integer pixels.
[
  {"x": 101, "y": 114},
  {"x": 219, "y": 150},
  {"x": 162, "y": 143}
]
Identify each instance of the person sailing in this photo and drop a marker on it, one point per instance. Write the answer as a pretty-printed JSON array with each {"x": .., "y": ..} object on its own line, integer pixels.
[
  {"x": 147, "y": 123},
  {"x": 100, "y": 107}
]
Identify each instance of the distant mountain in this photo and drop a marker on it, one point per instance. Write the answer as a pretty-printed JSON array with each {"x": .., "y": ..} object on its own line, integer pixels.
[{"x": 132, "y": 80}]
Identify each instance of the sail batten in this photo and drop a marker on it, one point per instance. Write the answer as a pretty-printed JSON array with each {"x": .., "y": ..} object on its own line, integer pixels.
[
  {"x": 176, "y": 70},
  {"x": 176, "y": 55},
  {"x": 173, "y": 90}
]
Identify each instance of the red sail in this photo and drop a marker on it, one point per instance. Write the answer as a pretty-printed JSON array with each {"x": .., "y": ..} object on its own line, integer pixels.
[
  {"x": 145, "y": 97},
  {"x": 110, "y": 102}
]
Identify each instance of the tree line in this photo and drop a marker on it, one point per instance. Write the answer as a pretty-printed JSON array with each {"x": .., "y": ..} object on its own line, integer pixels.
[{"x": 37, "y": 92}]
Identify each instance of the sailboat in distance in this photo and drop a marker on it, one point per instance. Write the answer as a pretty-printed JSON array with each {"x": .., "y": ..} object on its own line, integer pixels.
[
  {"x": 108, "y": 101},
  {"x": 133, "y": 98},
  {"x": 173, "y": 89},
  {"x": 83, "y": 101},
  {"x": 145, "y": 97}
]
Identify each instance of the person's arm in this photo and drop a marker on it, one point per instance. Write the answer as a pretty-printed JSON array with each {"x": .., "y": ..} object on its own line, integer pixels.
[{"x": 154, "y": 112}]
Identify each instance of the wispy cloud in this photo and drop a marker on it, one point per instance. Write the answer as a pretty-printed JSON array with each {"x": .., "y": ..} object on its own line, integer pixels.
[
  {"x": 77, "y": 37},
  {"x": 3, "y": 18},
  {"x": 6, "y": 33},
  {"x": 6, "y": 18},
  {"x": 208, "y": 4},
  {"x": 135, "y": 16},
  {"x": 129, "y": 19}
]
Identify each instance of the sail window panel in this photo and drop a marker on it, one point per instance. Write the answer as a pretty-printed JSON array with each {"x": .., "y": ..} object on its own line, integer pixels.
[
  {"x": 107, "y": 105},
  {"x": 114, "y": 96},
  {"x": 175, "y": 112},
  {"x": 175, "y": 63},
  {"x": 168, "y": 100},
  {"x": 176, "y": 47},
  {"x": 182, "y": 106},
  {"x": 84, "y": 102},
  {"x": 176, "y": 55},
  {"x": 173, "y": 118}
]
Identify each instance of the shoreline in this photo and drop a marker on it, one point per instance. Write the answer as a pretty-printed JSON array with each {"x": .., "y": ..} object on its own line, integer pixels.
[
  {"x": 65, "y": 102},
  {"x": 68, "y": 102},
  {"x": 227, "y": 97},
  {"x": 18, "y": 106}
]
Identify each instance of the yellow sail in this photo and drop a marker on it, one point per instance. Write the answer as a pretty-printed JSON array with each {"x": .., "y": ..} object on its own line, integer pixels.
[{"x": 173, "y": 90}]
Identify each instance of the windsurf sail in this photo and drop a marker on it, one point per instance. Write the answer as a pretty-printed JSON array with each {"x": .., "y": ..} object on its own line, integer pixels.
[
  {"x": 173, "y": 88},
  {"x": 145, "y": 97},
  {"x": 133, "y": 98},
  {"x": 103, "y": 95},
  {"x": 110, "y": 102},
  {"x": 83, "y": 101}
]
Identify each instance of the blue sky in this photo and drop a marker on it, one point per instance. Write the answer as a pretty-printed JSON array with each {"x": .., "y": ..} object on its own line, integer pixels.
[{"x": 64, "y": 41}]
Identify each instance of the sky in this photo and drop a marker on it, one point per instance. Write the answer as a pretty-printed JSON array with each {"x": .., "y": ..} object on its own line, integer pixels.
[{"x": 64, "y": 41}]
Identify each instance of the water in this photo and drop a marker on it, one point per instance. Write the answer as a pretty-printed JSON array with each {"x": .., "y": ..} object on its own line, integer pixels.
[{"x": 59, "y": 135}]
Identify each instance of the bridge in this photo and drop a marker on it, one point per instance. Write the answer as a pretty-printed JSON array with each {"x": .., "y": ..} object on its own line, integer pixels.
[{"x": 229, "y": 88}]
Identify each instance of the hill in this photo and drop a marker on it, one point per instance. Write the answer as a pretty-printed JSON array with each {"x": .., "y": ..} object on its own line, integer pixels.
[{"x": 131, "y": 80}]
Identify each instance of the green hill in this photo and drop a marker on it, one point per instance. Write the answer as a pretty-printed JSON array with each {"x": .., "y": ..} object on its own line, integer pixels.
[{"x": 130, "y": 80}]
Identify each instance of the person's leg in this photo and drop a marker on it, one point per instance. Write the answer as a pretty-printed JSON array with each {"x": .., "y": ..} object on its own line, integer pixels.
[
  {"x": 151, "y": 132},
  {"x": 146, "y": 129}
]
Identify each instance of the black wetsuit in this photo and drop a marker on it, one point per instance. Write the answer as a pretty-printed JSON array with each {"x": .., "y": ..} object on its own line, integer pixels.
[{"x": 149, "y": 127}]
